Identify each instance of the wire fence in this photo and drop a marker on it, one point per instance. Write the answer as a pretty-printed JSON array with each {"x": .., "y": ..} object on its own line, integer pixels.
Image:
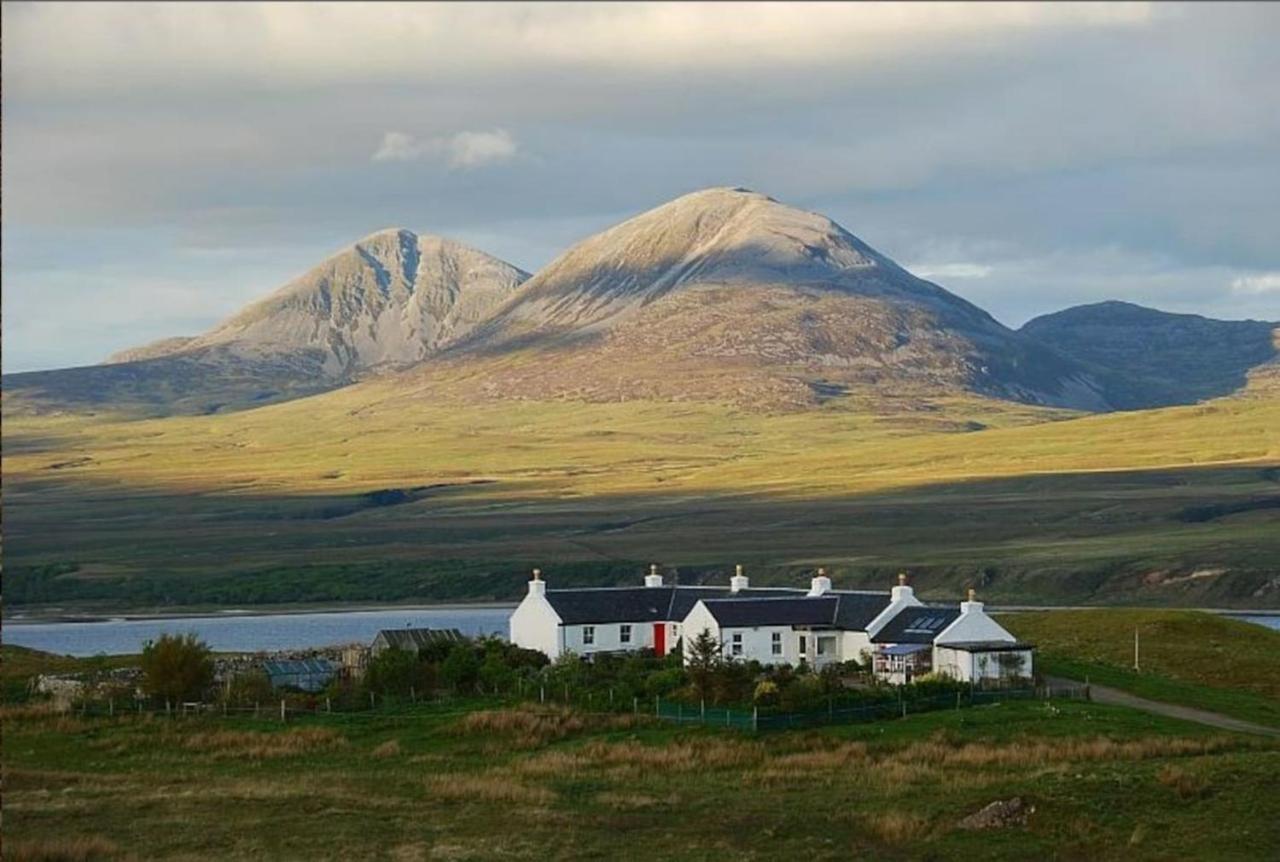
[{"x": 757, "y": 719}]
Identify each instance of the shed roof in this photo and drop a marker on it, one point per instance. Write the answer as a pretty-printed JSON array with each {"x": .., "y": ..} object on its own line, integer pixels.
[
  {"x": 988, "y": 646},
  {"x": 916, "y": 625},
  {"x": 415, "y": 639},
  {"x": 904, "y": 649},
  {"x": 297, "y": 666}
]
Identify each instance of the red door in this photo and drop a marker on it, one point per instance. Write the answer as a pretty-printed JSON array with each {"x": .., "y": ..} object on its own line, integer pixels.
[{"x": 660, "y": 638}]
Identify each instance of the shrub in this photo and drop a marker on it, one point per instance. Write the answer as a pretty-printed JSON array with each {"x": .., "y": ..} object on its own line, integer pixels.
[
  {"x": 176, "y": 667},
  {"x": 399, "y": 672},
  {"x": 461, "y": 670}
]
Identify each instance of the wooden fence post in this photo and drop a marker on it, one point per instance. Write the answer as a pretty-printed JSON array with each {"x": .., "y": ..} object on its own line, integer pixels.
[
  {"x": 755, "y": 718},
  {"x": 635, "y": 704},
  {"x": 542, "y": 694},
  {"x": 111, "y": 707},
  {"x": 282, "y": 713},
  {"x": 328, "y": 705},
  {"x": 702, "y": 710}
]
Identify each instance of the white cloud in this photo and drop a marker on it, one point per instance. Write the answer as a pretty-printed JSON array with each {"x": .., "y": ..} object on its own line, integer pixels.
[
  {"x": 951, "y": 270},
  {"x": 464, "y": 150},
  {"x": 1267, "y": 282},
  {"x": 72, "y": 48}
]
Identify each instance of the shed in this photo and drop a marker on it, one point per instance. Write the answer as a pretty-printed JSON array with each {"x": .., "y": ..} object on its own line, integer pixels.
[
  {"x": 305, "y": 674},
  {"x": 413, "y": 640}
]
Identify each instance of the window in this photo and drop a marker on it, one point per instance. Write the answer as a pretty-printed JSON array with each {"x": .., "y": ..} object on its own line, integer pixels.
[
  {"x": 804, "y": 646},
  {"x": 736, "y": 648},
  {"x": 777, "y": 643},
  {"x": 588, "y": 634},
  {"x": 625, "y": 634}
]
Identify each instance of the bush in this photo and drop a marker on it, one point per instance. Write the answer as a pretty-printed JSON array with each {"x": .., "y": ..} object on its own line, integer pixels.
[
  {"x": 176, "y": 668},
  {"x": 461, "y": 670},
  {"x": 247, "y": 689},
  {"x": 399, "y": 672}
]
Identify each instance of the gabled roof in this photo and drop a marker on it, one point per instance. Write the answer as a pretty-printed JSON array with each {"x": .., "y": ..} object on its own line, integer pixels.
[
  {"x": 641, "y": 604},
  {"x": 848, "y": 611},
  {"x": 790, "y": 611},
  {"x": 415, "y": 639},
  {"x": 916, "y": 625}
]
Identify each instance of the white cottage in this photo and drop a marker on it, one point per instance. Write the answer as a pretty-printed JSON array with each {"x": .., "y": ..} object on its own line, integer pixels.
[
  {"x": 614, "y": 619},
  {"x": 903, "y": 637}
]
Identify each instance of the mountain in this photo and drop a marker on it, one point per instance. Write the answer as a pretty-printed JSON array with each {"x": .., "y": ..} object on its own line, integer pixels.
[
  {"x": 392, "y": 299},
  {"x": 1150, "y": 358},
  {"x": 726, "y": 294}
]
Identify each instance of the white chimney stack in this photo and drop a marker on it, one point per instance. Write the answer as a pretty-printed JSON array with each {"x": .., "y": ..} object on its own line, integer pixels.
[
  {"x": 653, "y": 579},
  {"x": 973, "y": 605},
  {"x": 902, "y": 592},
  {"x": 537, "y": 586},
  {"x": 739, "y": 581},
  {"x": 821, "y": 584}
]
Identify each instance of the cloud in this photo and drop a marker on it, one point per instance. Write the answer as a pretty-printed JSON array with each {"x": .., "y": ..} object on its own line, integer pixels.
[
  {"x": 1267, "y": 282},
  {"x": 464, "y": 150},
  {"x": 951, "y": 270}
]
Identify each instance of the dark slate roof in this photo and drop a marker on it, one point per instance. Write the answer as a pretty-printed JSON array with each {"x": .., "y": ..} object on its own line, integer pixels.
[
  {"x": 918, "y": 625},
  {"x": 988, "y": 646},
  {"x": 846, "y": 610},
  {"x": 415, "y": 639},
  {"x": 791, "y": 611},
  {"x": 641, "y": 604}
]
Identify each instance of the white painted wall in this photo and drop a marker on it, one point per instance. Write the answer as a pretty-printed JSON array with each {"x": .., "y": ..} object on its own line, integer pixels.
[
  {"x": 534, "y": 624},
  {"x": 976, "y": 667},
  {"x": 973, "y": 624},
  {"x": 900, "y": 597},
  {"x": 698, "y": 619},
  {"x": 607, "y": 637},
  {"x": 853, "y": 644}
]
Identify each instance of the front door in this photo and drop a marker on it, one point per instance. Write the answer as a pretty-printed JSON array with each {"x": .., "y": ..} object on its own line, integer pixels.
[{"x": 660, "y": 638}]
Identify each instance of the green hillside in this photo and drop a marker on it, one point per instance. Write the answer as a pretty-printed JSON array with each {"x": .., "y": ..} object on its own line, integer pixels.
[{"x": 403, "y": 488}]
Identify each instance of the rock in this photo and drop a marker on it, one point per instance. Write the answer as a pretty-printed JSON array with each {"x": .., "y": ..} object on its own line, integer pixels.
[{"x": 999, "y": 814}]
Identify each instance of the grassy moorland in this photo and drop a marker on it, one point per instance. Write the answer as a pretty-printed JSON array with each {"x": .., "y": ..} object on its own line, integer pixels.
[
  {"x": 1188, "y": 658},
  {"x": 463, "y": 782},
  {"x": 378, "y": 492}
]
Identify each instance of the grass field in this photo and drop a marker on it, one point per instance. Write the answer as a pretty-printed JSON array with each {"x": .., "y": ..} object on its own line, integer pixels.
[
  {"x": 1188, "y": 658},
  {"x": 380, "y": 493},
  {"x": 466, "y": 784}
]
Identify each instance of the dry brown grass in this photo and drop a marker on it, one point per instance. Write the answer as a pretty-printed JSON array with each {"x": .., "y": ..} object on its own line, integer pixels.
[
  {"x": 709, "y": 753},
  {"x": 532, "y": 725},
  {"x": 88, "y": 848},
  {"x": 630, "y": 801},
  {"x": 1186, "y": 784},
  {"x": 258, "y": 746},
  {"x": 390, "y": 748},
  {"x": 490, "y": 787},
  {"x": 896, "y": 827}
]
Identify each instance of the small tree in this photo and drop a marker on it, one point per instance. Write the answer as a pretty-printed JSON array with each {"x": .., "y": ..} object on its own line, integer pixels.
[
  {"x": 176, "y": 667},
  {"x": 704, "y": 661},
  {"x": 398, "y": 672},
  {"x": 461, "y": 669}
]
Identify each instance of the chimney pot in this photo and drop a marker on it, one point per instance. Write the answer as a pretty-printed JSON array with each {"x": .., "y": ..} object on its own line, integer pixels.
[
  {"x": 902, "y": 579},
  {"x": 653, "y": 579},
  {"x": 537, "y": 574},
  {"x": 738, "y": 581}
]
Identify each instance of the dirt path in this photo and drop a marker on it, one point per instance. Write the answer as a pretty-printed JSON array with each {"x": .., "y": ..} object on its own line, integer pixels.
[{"x": 1116, "y": 697}]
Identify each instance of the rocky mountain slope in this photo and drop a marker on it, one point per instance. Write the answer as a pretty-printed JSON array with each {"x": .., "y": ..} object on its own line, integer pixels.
[
  {"x": 1149, "y": 358},
  {"x": 726, "y": 294},
  {"x": 390, "y": 300}
]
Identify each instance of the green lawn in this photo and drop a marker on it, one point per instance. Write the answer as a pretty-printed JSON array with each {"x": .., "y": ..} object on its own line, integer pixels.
[
  {"x": 1187, "y": 657},
  {"x": 453, "y": 782}
]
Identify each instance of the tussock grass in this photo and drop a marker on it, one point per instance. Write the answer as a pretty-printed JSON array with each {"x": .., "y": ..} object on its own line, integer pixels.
[
  {"x": 630, "y": 801},
  {"x": 896, "y": 827},
  {"x": 698, "y": 754},
  {"x": 532, "y": 726},
  {"x": 259, "y": 746},
  {"x": 489, "y": 787},
  {"x": 89, "y": 848},
  {"x": 1186, "y": 784},
  {"x": 390, "y": 748}
]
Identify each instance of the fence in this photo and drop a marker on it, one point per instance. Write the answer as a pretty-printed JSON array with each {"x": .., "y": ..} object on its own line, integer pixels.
[{"x": 758, "y": 719}]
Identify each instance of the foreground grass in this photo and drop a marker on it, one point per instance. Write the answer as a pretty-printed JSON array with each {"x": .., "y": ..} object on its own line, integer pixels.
[
  {"x": 1187, "y": 657},
  {"x": 489, "y": 782}
]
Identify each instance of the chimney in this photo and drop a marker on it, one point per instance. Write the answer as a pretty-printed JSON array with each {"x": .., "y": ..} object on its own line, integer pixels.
[
  {"x": 739, "y": 581},
  {"x": 537, "y": 586},
  {"x": 973, "y": 605},
  {"x": 902, "y": 592},
  {"x": 821, "y": 583},
  {"x": 653, "y": 579}
]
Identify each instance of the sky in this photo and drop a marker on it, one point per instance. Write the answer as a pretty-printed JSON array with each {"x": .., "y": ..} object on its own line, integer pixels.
[{"x": 166, "y": 164}]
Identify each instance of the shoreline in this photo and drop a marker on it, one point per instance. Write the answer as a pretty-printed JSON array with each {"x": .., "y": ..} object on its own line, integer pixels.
[
  {"x": 53, "y": 616},
  {"x": 45, "y": 617}
]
